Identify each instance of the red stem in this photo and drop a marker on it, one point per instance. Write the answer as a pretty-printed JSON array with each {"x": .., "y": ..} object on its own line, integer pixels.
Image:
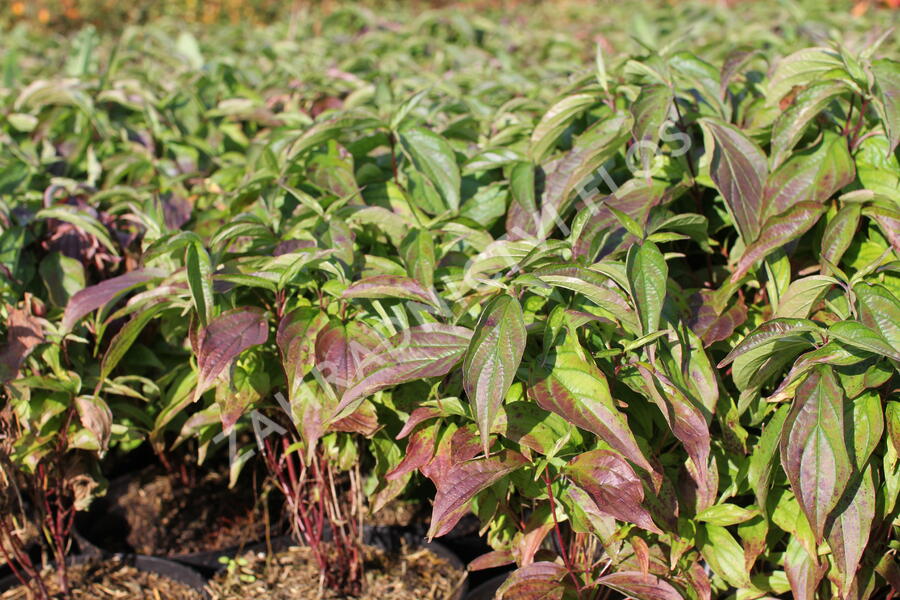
[{"x": 562, "y": 546}]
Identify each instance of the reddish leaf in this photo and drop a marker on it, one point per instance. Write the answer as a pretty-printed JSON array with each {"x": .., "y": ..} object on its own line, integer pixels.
[
  {"x": 417, "y": 416},
  {"x": 463, "y": 482},
  {"x": 802, "y": 573},
  {"x": 710, "y": 325},
  {"x": 813, "y": 451},
  {"x": 341, "y": 349},
  {"x": 613, "y": 485},
  {"x": 96, "y": 417},
  {"x": 296, "y": 339},
  {"x": 491, "y": 560},
  {"x": 639, "y": 585},
  {"x": 419, "y": 450},
  {"x": 93, "y": 297},
  {"x": 455, "y": 446},
  {"x": 363, "y": 420},
  {"x": 24, "y": 332},
  {"x": 429, "y": 350},
  {"x": 390, "y": 286},
  {"x": 492, "y": 358},
  {"x": 224, "y": 339}
]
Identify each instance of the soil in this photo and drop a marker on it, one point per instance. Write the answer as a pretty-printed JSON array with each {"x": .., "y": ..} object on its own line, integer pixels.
[
  {"x": 111, "y": 580},
  {"x": 399, "y": 513},
  {"x": 155, "y": 514},
  {"x": 416, "y": 574}
]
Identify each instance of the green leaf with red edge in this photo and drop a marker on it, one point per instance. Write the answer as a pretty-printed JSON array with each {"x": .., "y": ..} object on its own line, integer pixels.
[
  {"x": 839, "y": 233},
  {"x": 492, "y": 358},
  {"x": 739, "y": 169},
  {"x": 296, "y": 341},
  {"x": 777, "y": 232},
  {"x": 569, "y": 384},
  {"x": 813, "y": 450},
  {"x": 462, "y": 482},
  {"x": 613, "y": 485},
  {"x": 802, "y": 573},
  {"x": 224, "y": 339},
  {"x": 775, "y": 330}
]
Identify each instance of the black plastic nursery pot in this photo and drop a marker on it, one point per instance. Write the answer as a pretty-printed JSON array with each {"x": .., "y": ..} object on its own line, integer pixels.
[{"x": 149, "y": 564}]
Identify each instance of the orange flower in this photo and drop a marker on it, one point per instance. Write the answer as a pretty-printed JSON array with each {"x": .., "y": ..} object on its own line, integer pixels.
[
  {"x": 18, "y": 9},
  {"x": 43, "y": 15}
]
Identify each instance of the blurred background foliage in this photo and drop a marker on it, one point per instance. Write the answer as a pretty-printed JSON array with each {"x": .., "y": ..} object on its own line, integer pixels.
[{"x": 113, "y": 14}]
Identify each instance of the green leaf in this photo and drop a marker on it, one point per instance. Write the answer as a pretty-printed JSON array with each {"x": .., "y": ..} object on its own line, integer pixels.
[
  {"x": 554, "y": 121},
  {"x": 126, "y": 336},
  {"x": 879, "y": 310},
  {"x": 724, "y": 555},
  {"x": 434, "y": 158},
  {"x": 725, "y": 515},
  {"x": 770, "y": 332},
  {"x": 63, "y": 277},
  {"x": 759, "y": 469},
  {"x": 650, "y": 111},
  {"x": 417, "y": 250},
  {"x": 850, "y": 529},
  {"x": 491, "y": 360},
  {"x": 199, "y": 274},
  {"x": 854, "y": 333},
  {"x": 647, "y": 275},
  {"x": 839, "y": 233}
]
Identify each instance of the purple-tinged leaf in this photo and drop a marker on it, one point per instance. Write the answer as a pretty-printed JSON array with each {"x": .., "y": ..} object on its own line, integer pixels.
[
  {"x": 770, "y": 332},
  {"x": 613, "y": 485},
  {"x": 887, "y": 85},
  {"x": 596, "y": 231},
  {"x": 642, "y": 586},
  {"x": 802, "y": 573},
  {"x": 224, "y": 339},
  {"x": 647, "y": 275},
  {"x": 454, "y": 446},
  {"x": 429, "y": 350},
  {"x": 417, "y": 416},
  {"x": 735, "y": 61},
  {"x": 96, "y": 417},
  {"x": 888, "y": 220},
  {"x": 812, "y": 175},
  {"x": 839, "y": 233},
  {"x": 296, "y": 341},
  {"x": 492, "y": 358},
  {"x": 813, "y": 450},
  {"x": 363, "y": 420},
  {"x": 791, "y": 124},
  {"x": 93, "y": 297},
  {"x": 777, "y": 232},
  {"x": 462, "y": 482},
  {"x": 849, "y": 530},
  {"x": 419, "y": 451},
  {"x": 492, "y": 560},
  {"x": 710, "y": 326},
  {"x": 686, "y": 421},
  {"x": 390, "y": 286},
  {"x": 739, "y": 169},
  {"x": 592, "y": 285},
  {"x": 879, "y": 309},
  {"x": 537, "y": 581},
  {"x": 341, "y": 349},
  {"x": 572, "y": 386}
]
